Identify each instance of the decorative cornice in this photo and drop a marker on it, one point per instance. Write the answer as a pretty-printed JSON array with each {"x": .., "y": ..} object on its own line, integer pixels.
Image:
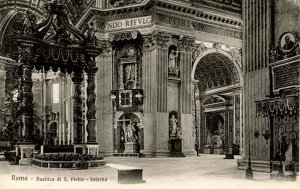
[{"x": 170, "y": 7}]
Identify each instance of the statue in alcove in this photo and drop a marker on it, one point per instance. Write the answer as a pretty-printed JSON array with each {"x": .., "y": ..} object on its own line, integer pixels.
[
  {"x": 173, "y": 67},
  {"x": 175, "y": 132},
  {"x": 128, "y": 72},
  {"x": 131, "y": 133},
  {"x": 173, "y": 125}
]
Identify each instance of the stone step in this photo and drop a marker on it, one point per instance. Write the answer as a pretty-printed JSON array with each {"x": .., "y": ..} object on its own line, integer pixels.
[{"x": 126, "y": 155}]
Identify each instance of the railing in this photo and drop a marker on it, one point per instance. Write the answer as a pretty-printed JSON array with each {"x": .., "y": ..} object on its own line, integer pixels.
[{"x": 79, "y": 164}]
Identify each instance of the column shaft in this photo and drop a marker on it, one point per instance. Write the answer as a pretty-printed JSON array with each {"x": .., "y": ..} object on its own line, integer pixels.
[
  {"x": 91, "y": 107},
  {"x": 77, "y": 79}
]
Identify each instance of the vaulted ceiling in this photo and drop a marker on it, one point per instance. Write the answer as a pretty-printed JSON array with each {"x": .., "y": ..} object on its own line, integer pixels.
[{"x": 215, "y": 70}]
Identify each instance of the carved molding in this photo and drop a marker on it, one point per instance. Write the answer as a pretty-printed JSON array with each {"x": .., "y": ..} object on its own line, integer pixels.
[
  {"x": 122, "y": 3},
  {"x": 198, "y": 50},
  {"x": 186, "y": 10},
  {"x": 123, "y": 36}
]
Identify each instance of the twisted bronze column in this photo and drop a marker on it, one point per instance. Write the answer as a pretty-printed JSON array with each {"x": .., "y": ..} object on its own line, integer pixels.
[
  {"x": 90, "y": 102},
  {"x": 77, "y": 79}
]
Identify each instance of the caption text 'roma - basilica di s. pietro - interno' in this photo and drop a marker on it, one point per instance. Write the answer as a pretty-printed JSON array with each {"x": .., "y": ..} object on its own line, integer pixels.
[{"x": 101, "y": 84}]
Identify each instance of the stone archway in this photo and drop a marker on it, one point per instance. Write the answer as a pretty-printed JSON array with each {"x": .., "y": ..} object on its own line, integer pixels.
[
  {"x": 128, "y": 130},
  {"x": 233, "y": 56},
  {"x": 218, "y": 85}
]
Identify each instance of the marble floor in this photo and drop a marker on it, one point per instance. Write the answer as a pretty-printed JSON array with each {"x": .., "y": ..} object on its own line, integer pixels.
[{"x": 206, "y": 171}]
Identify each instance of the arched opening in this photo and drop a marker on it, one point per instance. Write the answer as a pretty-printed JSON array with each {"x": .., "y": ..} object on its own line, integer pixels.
[{"x": 217, "y": 95}]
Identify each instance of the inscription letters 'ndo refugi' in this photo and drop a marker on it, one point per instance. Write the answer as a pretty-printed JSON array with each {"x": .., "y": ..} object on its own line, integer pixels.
[{"x": 55, "y": 43}]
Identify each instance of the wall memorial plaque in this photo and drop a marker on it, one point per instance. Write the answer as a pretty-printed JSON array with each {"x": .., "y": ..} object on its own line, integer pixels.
[{"x": 286, "y": 73}]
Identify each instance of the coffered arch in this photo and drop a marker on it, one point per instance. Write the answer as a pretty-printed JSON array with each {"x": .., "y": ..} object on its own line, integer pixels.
[{"x": 216, "y": 68}]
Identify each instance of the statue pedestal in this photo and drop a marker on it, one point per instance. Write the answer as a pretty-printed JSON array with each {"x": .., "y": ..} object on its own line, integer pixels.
[
  {"x": 92, "y": 149},
  {"x": 175, "y": 146},
  {"x": 26, "y": 151},
  {"x": 130, "y": 147}
]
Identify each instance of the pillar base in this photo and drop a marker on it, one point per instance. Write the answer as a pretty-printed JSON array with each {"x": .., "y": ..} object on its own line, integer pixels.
[
  {"x": 27, "y": 152},
  {"x": 162, "y": 153},
  {"x": 79, "y": 148},
  {"x": 147, "y": 153},
  {"x": 191, "y": 152},
  {"x": 92, "y": 149}
]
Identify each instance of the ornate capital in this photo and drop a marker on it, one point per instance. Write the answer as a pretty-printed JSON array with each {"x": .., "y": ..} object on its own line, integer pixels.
[
  {"x": 106, "y": 47},
  {"x": 149, "y": 42},
  {"x": 186, "y": 43},
  {"x": 162, "y": 39}
]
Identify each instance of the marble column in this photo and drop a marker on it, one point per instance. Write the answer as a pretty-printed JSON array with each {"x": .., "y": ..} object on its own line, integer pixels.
[{"x": 186, "y": 45}]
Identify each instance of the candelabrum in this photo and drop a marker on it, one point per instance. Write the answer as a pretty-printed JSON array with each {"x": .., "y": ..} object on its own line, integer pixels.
[
  {"x": 249, "y": 173},
  {"x": 281, "y": 157}
]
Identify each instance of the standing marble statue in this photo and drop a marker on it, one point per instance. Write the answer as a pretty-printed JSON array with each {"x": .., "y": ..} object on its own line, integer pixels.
[
  {"x": 128, "y": 70},
  {"x": 130, "y": 132},
  {"x": 173, "y": 125},
  {"x": 173, "y": 60}
]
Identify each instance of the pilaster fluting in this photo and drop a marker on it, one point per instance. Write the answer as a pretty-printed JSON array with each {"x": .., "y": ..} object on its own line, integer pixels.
[
  {"x": 256, "y": 41},
  {"x": 150, "y": 95},
  {"x": 186, "y": 45},
  {"x": 91, "y": 107},
  {"x": 162, "y": 115},
  {"x": 77, "y": 79},
  {"x": 162, "y": 70},
  {"x": 105, "y": 112}
]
